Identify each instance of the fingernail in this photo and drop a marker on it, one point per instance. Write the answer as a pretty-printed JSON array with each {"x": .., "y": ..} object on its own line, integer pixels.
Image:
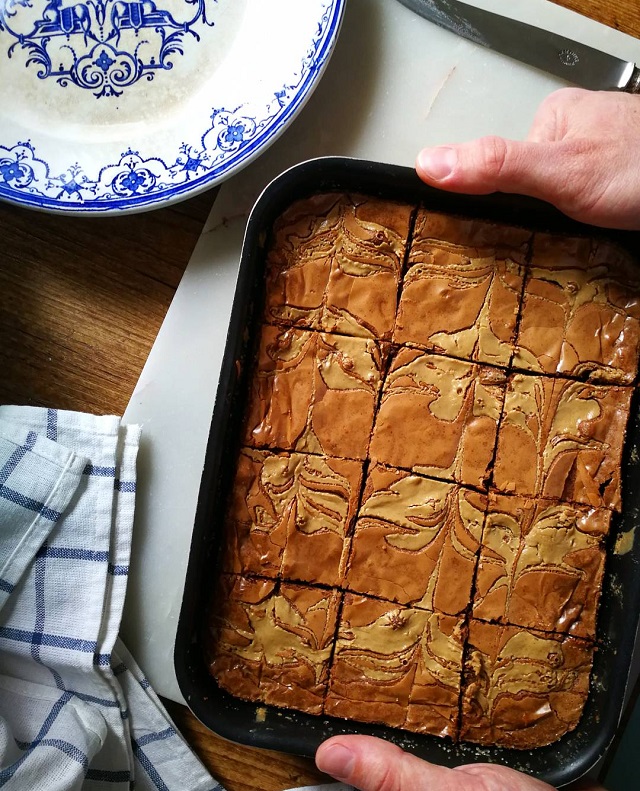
[
  {"x": 438, "y": 163},
  {"x": 336, "y": 761}
]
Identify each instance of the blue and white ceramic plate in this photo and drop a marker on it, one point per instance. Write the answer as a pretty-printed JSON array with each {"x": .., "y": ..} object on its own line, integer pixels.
[{"x": 109, "y": 106}]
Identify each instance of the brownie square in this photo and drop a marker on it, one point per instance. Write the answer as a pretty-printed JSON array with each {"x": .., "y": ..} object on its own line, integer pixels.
[
  {"x": 335, "y": 264},
  {"x": 299, "y": 260},
  {"x": 413, "y": 536},
  {"x": 541, "y": 565},
  {"x": 272, "y": 641},
  {"x": 400, "y": 666},
  {"x": 522, "y": 689},
  {"x": 314, "y": 392},
  {"x": 461, "y": 293},
  {"x": 439, "y": 416},
  {"x": 562, "y": 439},
  {"x": 234, "y": 655},
  {"x": 290, "y": 514},
  {"x": 580, "y": 312}
]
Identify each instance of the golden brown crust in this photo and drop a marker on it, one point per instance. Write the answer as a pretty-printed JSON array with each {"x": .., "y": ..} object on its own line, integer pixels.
[
  {"x": 541, "y": 565},
  {"x": 396, "y": 665},
  {"x": 413, "y": 536},
  {"x": 439, "y": 416},
  {"x": 522, "y": 688},
  {"x": 562, "y": 439},
  {"x": 461, "y": 293}
]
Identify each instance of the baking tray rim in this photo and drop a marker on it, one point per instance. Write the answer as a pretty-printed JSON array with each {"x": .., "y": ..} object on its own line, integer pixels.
[{"x": 393, "y": 181}]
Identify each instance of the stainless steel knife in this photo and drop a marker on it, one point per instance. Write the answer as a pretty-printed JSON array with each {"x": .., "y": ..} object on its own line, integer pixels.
[{"x": 570, "y": 60}]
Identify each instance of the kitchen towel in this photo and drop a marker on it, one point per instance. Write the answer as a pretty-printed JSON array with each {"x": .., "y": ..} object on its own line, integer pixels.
[{"x": 75, "y": 710}]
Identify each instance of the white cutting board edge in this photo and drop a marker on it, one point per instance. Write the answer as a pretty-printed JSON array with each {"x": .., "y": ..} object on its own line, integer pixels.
[{"x": 395, "y": 83}]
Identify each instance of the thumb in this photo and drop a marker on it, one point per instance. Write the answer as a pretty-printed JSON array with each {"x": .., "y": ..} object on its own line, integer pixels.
[
  {"x": 372, "y": 764},
  {"x": 491, "y": 164}
]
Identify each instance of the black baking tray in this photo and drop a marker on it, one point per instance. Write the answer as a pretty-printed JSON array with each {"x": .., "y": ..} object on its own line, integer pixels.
[{"x": 287, "y": 730}]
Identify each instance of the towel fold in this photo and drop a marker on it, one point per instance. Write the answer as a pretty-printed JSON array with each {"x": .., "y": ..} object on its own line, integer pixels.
[{"x": 76, "y": 712}]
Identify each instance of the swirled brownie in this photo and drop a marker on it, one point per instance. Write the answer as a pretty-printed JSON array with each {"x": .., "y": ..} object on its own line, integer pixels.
[
  {"x": 398, "y": 665},
  {"x": 541, "y": 564},
  {"x": 562, "y": 438},
  {"x": 314, "y": 392},
  {"x": 523, "y": 688},
  {"x": 335, "y": 264},
  {"x": 413, "y": 536},
  {"x": 273, "y": 641},
  {"x": 287, "y": 510},
  {"x": 580, "y": 311},
  {"x": 469, "y": 276},
  {"x": 439, "y": 416},
  {"x": 431, "y": 456}
]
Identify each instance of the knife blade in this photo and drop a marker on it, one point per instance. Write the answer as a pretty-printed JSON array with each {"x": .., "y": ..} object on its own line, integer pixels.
[{"x": 572, "y": 61}]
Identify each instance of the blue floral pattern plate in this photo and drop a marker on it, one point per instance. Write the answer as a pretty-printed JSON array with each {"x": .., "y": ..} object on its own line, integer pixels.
[{"x": 109, "y": 106}]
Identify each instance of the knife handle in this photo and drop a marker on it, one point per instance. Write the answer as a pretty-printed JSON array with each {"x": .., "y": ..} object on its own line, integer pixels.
[{"x": 633, "y": 85}]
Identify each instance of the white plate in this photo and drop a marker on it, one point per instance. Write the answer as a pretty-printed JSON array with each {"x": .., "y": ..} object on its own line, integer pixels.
[{"x": 109, "y": 106}]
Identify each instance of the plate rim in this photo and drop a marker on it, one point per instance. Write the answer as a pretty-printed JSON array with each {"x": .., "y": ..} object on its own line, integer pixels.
[{"x": 325, "y": 40}]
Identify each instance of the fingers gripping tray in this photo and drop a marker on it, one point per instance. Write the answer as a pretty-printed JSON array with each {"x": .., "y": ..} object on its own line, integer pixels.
[{"x": 446, "y": 423}]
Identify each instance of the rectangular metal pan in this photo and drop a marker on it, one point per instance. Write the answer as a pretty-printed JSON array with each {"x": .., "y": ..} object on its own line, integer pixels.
[{"x": 296, "y": 732}]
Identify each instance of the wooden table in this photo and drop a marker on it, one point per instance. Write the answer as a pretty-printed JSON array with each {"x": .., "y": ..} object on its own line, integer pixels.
[{"x": 81, "y": 302}]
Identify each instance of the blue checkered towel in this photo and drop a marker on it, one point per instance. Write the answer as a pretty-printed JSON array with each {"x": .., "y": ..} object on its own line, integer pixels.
[{"x": 75, "y": 710}]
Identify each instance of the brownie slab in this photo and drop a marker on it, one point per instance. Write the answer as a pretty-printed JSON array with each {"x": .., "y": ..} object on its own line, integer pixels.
[
  {"x": 335, "y": 264},
  {"x": 413, "y": 536},
  {"x": 541, "y": 565},
  {"x": 439, "y": 416},
  {"x": 290, "y": 514},
  {"x": 272, "y": 641},
  {"x": 580, "y": 312},
  {"x": 562, "y": 439},
  {"x": 485, "y": 391},
  {"x": 314, "y": 392},
  {"x": 399, "y": 666},
  {"x": 461, "y": 293},
  {"x": 522, "y": 689}
]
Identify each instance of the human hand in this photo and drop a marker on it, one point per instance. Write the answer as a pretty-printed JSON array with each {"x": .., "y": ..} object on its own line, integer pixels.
[
  {"x": 582, "y": 154},
  {"x": 372, "y": 764}
]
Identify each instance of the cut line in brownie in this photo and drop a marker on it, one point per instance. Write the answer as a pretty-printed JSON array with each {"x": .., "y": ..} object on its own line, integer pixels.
[
  {"x": 462, "y": 290},
  {"x": 439, "y": 416},
  {"x": 413, "y": 536},
  {"x": 396, "y": 665},
  {"x": 410, "y": 380},
  {"x": 314, "y": 392},
  {"x": 522, "y": 688},
  {"x": 290, "y": 515},
  {"x": 562, "y": 439},
  {"x": 272, "y": 642},
  {"x": 581, "y": 311},
  {"x": 335, "y": 263},
  {"x": 541, "y": 565}
]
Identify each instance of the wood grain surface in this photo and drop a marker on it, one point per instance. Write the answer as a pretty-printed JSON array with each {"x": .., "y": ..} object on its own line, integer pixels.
[
  {"x": 622, "y": 15},
  {"x": 81, "y": 302}
]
